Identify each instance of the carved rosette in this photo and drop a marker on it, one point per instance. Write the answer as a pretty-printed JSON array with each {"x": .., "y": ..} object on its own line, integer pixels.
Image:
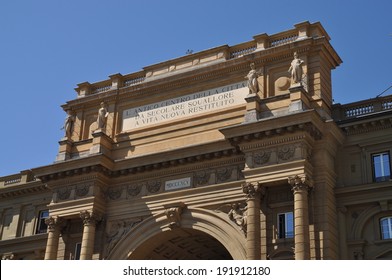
[
  {"x": 89, "y": 218},
  {"x": 173, "y": 214},
  {"x": 114, "y": 194},
  {"x": 224, "y": 174},
  {"x": 202, "y": 178},
  {"x": 82, "y": 190},
  {"x": 53, "y": 222},
  {"x": 134, "y": 190},
  {"x": 300, "y": 183},
  {"x": 64, "y": 193},
  {"x": 261, "y": 157},
  {"x": 286, "y": 152},
  {"x": 154, "y": 186}
]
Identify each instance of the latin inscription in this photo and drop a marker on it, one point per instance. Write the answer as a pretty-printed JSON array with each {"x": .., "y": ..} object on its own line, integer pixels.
[{"x": 184, "y": 106}]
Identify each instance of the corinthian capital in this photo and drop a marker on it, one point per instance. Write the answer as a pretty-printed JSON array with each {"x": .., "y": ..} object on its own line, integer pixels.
[
  {"x": 251, "y": 190},
  {"x": 299, "y": 182},
  {"x": 89, "y": 217},
  {"x": 53, "y": 222}
]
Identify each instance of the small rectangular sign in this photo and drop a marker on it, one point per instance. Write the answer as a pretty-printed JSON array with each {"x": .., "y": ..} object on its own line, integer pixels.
[{"x": 177, "y": 184}]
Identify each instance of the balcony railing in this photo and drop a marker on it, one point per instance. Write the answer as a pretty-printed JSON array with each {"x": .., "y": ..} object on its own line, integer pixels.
[{"x": 362, "y": 108}]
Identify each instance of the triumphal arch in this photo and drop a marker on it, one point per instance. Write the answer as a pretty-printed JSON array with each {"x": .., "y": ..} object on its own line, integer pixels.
[{"x": 226, "y": 153}]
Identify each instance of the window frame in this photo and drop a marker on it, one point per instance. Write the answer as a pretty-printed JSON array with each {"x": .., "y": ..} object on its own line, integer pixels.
[
  {"x": 78, "y": 250},
  {"x": 283, "y": 230},
  {"x": 389, "y": 228},
  {"x": 383, "y": 169},
  {"x": 40, "y": 229}
]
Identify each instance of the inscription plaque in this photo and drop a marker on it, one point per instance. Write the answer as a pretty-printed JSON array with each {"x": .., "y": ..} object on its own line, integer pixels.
[
  {"x": 185, "y": 106},
  {"x": 177, "y": 184}
]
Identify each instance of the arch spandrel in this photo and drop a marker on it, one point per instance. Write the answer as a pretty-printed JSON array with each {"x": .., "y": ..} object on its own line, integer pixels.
[{"x": 217, "y": 225}]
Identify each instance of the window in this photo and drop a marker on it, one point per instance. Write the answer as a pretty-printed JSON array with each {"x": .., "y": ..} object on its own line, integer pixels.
[
  {"x": 41, "y": 226},
  {"x": 386, "y": 228},
  {"x": 286, "y": 225},
  {"x": 381, "y": 167},
  {"x": 78, "y": 248}
]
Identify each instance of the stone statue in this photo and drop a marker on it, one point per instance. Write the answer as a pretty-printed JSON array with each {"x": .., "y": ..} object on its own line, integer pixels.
[
  {"x": 238, "y": 215},
  {"x": 68, "y": 124},
  {"x": 102, "y": 116},
  {"x": 252, "y": 79},
  {"x": 295, "y": 69}
]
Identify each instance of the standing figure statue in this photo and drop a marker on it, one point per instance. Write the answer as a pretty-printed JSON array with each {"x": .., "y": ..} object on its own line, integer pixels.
[
  {"x": 102, "y": 116},
  {"x": 296, "y": 69},
  {"x": 252, "y": 79},
  {"x": 68, "y": 124}
]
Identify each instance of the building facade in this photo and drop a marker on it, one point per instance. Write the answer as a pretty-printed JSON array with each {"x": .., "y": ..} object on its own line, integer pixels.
[{"x": 236, "y": 152}]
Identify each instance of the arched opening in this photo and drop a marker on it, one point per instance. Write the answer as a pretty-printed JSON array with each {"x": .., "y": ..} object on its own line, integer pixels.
[
  {"x": 201, "y": 234},
  {"x": 181, "y": 244}
]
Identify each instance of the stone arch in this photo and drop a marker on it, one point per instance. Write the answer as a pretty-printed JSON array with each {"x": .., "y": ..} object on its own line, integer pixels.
[
  {"x": 360, "y": 223},
  {"x": 215, "y": 224}
]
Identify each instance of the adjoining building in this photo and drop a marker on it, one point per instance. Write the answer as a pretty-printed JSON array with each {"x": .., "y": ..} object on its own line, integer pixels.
[{"x": 236, "y": 152}]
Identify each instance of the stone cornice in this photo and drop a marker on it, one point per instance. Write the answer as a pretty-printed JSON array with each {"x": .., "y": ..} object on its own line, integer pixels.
[
  {"x": 367, "y": 125},
  {"x": 14, "y": 244},
  {"x": 26, "y": 189},
  {"x": 97, "y": 163},
  {"x": 306, "y": 121},
  {"x": 94, "y": 167}
]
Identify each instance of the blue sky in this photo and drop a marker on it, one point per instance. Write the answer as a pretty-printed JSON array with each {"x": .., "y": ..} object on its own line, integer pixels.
[{"x": 47, "y": 47}]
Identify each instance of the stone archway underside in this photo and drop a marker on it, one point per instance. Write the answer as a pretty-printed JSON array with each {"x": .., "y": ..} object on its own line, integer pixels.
[
  {"x": 186, "y": 244},
  {"x": 200, "y": 234}
]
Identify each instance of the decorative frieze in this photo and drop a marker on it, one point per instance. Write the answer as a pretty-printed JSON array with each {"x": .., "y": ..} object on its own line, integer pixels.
[
  {"x": 134, "y": 190},
  {"x": 261, "y": 157},
  {"x": 201, "y": 178},
  {"x": 82, "y": 190},
  {"x": 114, "y": 193},
  {"x": 74, "y": 191},
  {"x": 153, "y": 186},
  {"x": 286, "y": 152},
  {"x": 224, "y": 174}
]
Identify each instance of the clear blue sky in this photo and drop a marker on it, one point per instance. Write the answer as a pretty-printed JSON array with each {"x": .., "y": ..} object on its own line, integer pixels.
[{"x": 47, "y": 47}]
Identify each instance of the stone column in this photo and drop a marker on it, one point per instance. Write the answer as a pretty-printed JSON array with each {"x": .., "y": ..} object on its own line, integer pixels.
[
  {"x": 253, "y": 194},
  {"x": 52, "y": 244},
  {"x": 90, "y": 220},
  {"x": 300, "y": 188}
]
